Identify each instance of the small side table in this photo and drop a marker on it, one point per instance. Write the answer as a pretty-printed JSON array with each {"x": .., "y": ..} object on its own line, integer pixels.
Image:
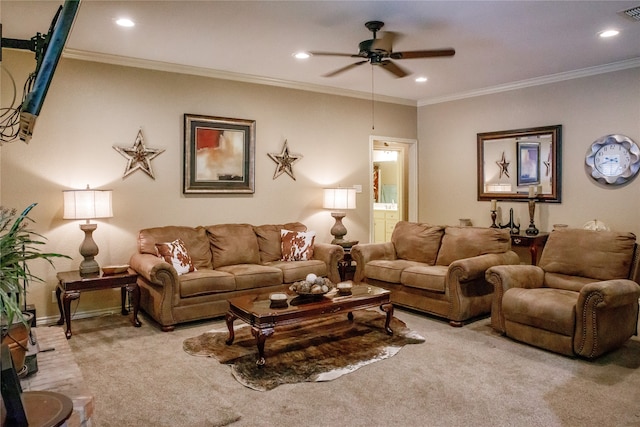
[
  {"x": 71, "y": 283},
  {"x": 534, "y": 243},
  {"x": 345, "y": 265}
]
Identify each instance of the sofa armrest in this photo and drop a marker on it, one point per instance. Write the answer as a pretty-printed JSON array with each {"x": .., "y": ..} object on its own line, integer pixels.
[
  {"x": 475, "y": 267},
  {"x": 504, "y": 277},
  {"x": 606, "y": 316},
  {"x": 153, "y": 268},
  {"x": 364, "y": 252},
  {"x": 330, "y": 254}
]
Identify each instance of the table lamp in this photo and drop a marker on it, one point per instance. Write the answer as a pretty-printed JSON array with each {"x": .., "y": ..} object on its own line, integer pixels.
[
  {"x": 88, "y": 204},
  {"x": 339, "y": 198}
]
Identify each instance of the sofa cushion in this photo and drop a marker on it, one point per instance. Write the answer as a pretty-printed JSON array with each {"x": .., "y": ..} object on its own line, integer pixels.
[
  {"x": 293, "y": 271},
  {"x": 233, "y": 244},
  {"x": 417, "y": 241},
  {"x": 544, "y": 308},
  {"x": 297, "y": 245},
  {"x": 427, "y": 277},
  {"x": 563, "y": 281},
  {"x": 250, "y": 276},
  {"x": 467, "y": 242},
  {"x": 175, "y": 253},
  {"x": 270, "y": 242},
  {"x": 388, "y": 270},
  {"x": 602, "y": 255},
  {"x": 195, "y": 240},
  {"x": 206, "y": 282}
]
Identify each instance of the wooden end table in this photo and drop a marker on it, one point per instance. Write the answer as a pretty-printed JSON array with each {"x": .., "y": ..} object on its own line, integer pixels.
[
  {"x": 71, "y": 283},
  {"x": 534, "y": 243},
  {"x": 256, "y": 310}
]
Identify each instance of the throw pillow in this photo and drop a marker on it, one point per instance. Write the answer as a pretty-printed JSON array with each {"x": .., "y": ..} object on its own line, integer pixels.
[
  {"x": 297, "y": 245},
  {"x": 175, "y": 253}
]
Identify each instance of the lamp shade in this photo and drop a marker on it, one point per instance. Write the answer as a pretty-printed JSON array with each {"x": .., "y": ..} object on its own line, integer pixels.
[
  {"x": 339, "y": 198},
  {"x": 87, "y": 204}
]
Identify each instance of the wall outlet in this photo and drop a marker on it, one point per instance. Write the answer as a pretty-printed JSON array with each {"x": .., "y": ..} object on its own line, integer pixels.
[{"x": 53, "y": 297}]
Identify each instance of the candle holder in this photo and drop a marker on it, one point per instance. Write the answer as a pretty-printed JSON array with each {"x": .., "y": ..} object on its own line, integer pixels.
[
  {"x": 494, "y": 215},
  {"x": 532, "y": 230}
]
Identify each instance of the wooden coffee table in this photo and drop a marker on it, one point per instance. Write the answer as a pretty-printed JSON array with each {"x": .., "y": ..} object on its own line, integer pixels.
[{"x": 256, "y": 310}]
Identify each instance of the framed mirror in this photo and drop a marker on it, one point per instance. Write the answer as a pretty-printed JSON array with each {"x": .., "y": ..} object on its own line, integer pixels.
[{"x": 514, "y": 164}]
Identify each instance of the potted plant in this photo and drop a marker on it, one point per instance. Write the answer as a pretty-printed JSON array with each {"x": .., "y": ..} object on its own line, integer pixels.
[{"x": 18, "y": 246}]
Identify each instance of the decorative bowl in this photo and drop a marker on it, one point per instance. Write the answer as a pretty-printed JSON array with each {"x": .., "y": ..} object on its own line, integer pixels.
[
  {"x": 114, "y": 269},
  {"x": 319, "y": 287},
  {"x": 278, "y": 300},
  {"x": 344, "y": 288}
]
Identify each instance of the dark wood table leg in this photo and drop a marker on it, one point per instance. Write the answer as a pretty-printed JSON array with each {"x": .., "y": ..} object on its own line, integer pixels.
[
  {"x": 388, "y": 308},
  {"x": 58, "y": 292},
  {"x": 67, "y": 297},
  {"x": 229, "y": 318},
  {"x": 261, "y": 336},
  {"x": 134, "y": 291},
  {"x": 123, "y": 299}
]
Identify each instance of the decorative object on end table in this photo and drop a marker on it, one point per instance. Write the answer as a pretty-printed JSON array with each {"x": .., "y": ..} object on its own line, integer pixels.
[
  {"x": 138, "y": 156},
  {"x": 285, "y": 161},
  {"x": 533, "y": 192},
  {"x": 511, "y": 225},
  {"x": 219, "y": 155},
  {"x": 339, "y": 199},
  {"x": 613, "y": 159},
  {"x": 494, "y": 215},
  {"x": 88, "y": 204},
  {"x": 18, "y": 245}
]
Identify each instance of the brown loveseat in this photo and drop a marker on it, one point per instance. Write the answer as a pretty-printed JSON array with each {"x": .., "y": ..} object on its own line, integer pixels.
[
  {"x": 581, "y": 299},
  {"x": 435, "y": 269},
  {"x": 227, "y": 260}
]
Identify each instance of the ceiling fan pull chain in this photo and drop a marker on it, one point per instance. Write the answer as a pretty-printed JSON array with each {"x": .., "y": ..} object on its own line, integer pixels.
[{"x": 373, "y": 105}]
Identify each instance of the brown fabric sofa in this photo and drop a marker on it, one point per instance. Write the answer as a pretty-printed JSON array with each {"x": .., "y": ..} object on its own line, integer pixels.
[
  {"x": 436, "y": 269},
  {"x": 229, "y": 260},
  {"x": 581, "y": 299}
]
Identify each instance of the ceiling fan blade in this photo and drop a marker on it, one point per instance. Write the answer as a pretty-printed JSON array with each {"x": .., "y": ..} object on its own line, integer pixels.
[
  {"x": 423, "y": 53},
  {"x": 333, "y": 54},
  {"x": 343, "y": 69},
  {"x": 393, "y": 68}
]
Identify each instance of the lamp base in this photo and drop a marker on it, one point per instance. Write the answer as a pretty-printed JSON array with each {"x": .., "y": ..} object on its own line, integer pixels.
[{"x": 88, "y": 249}]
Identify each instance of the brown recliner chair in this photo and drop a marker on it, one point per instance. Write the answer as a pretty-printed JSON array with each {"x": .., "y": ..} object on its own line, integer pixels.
[{"x": 581, "y": 299}]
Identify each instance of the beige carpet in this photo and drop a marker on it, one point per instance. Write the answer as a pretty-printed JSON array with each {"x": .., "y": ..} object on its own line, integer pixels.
[
  {"x": 313, "y": 350},
  {"x": 466, "y": 376}
]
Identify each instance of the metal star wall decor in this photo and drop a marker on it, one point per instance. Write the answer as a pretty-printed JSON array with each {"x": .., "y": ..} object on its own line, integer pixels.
[
  {"x": 138, "y": 156},
  {"x": 504, "y": 166},
  {"x": 285, "y": 161},
  {"x": 547, "y": 164}
]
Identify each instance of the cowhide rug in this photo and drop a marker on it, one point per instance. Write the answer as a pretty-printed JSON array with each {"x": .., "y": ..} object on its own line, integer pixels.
[{"x": 314, "y": 350}]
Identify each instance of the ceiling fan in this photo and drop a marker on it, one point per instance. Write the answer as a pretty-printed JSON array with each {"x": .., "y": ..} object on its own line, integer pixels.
[{"x": 378, "y": 51}]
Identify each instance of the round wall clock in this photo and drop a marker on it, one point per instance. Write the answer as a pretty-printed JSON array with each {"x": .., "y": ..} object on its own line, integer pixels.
[{"x": 613, "y": 159}]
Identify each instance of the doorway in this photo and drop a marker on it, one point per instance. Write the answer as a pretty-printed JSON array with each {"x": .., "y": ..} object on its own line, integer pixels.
[{"x": 393, "y": 181}]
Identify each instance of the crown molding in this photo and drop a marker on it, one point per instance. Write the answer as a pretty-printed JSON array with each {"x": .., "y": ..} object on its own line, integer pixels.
[
  {"x": 538, "y": 81},
  {"x": 225, "y": 75}
]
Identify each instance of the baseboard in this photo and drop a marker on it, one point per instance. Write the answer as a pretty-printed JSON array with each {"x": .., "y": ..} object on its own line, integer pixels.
[{"x": 52, "y": 320}]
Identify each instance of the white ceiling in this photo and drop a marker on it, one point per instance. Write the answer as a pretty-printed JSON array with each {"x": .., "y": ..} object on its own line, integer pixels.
[{"x": 499, "y": 44}]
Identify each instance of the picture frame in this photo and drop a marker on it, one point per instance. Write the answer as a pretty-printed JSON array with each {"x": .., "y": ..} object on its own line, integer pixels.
[
  {"x": 501, "y": 175},
  {"x": 219, "y": 155},
  {"x": 528, "y": 163}
]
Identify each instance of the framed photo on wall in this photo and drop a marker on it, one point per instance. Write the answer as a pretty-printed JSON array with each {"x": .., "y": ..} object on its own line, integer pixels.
[
  {"x": 528, "y": 163},
  {"x": 219, "y": 155}
]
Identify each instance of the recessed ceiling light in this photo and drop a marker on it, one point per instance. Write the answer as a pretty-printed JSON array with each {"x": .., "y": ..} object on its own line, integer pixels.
[
  {"x": 609, "y": 33},
  {"x": 301, "y": 55},
  {"x": 125, "y": 22},
  {"x": 421, "y": 79}
]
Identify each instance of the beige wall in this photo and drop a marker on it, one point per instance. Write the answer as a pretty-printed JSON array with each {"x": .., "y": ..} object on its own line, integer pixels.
[
  {"x": 91, "y": 107},
  {"x": 587, "y": 108}
]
